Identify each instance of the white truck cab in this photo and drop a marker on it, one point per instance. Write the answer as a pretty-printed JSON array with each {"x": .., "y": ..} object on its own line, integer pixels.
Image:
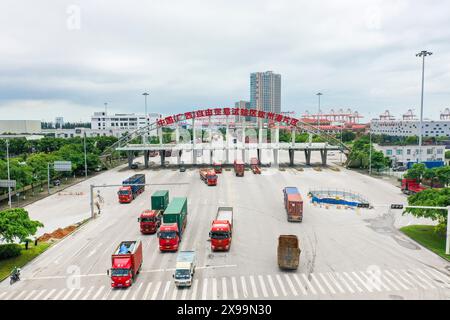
[{"x": 185, "y": 269}]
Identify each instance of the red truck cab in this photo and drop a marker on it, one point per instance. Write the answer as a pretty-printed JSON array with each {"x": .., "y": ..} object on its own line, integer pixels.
[
  {"x": 220, "y": 235},
  {"x": 411, "y": 186},
  {"x": 209, "y": 176},
  {"x": 126, "y": 261},
  {"x": 239, "y": 168},
  {"x": 149, "y": 221},
  {"x": 169, "y": 237},
  {"x": 217, "y": 167},
  {"x": 125, "y": 194}
]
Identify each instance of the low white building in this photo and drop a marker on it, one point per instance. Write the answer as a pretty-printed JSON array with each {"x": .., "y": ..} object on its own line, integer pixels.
[
  {"x": 20, "y": 126},
  {"x": 405, "y": 128},
  {"x": 124, "y": 122},
  {"x": 401, "y": 155}
]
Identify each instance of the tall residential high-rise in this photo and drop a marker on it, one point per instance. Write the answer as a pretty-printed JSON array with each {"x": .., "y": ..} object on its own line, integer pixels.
[
  {"x": 265, "y": 91},
  {"x": 242, "y": 105}
]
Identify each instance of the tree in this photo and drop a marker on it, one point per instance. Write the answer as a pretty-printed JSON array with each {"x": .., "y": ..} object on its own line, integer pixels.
[
  {"x": 416, "y": 171},
  {"x": 443, "y": 175},
  {"x": 447, "y": 154},
  {"x": 16, "y": 224},
  {"x": 348, "y": 136}
]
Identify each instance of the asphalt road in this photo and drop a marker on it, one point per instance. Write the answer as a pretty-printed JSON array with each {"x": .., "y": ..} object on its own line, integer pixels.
[{"x": 346, "y": 254}]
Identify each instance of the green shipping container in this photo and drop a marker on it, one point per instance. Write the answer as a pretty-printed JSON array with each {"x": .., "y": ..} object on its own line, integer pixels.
[
  {"x": 176, "y": 212},
  {"x": 160, "y": 200}
]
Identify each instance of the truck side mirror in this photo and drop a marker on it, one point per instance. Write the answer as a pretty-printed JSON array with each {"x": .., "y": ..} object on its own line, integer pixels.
[
  {"x": 158, "y": 234},
  {"x": 210, "y": 234},
  {"x": 139, "y": 219},
  {"x": 173, "y": 276},
  {"x": 107, "y": 272}
]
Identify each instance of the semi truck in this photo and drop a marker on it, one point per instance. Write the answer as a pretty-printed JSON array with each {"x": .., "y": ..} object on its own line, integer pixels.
[
  {"x": 149, "y": 221},
  {"x": 239, "y": 168},
  {"x": 293, "y": 203},
  {"x": 254, "y": 165},
  {"x": 184, "y": 269},
  {"x": 208, "y": 176},
  {"x": 411, "y": 186},
  {"x": 217, "y": 167},
  {"x": 129, "y": 190},
  {"x": 221, "y": 229},
  {"x": 288, "y": 252},
  {"x": 173, "y": 225},
  {"x": 160, "y": 200},
  {"x": 126, "y": 262}
]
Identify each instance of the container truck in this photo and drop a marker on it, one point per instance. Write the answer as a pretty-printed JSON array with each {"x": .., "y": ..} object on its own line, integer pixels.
[
  {"x": 239, "y": 168},
  {"x": 184, "y": 269},
  {"x": 428, "y": 164},
  {"x": 221, "y": 229},
  {"x": 411, "y": 186},
  {"x": 293, "y": 203},
  {"x": 288, "y": 252},
  {"x": 160, "y": 200},
  {"x": 149, "y": 221},
  {"x": 126, "y": 263},
  {"x": 129, "y": 190},
  {"x": 208, "y": 176},
  {"x": 217, "y": 167},
  {"x": 174, "y": 223},
  {"x": 254, "y": 165}
]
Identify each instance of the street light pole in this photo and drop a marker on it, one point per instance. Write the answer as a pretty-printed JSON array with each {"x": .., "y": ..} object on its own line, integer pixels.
[
  {"x": 370, "y": 148},
  {"x": 422, "y": 54},
  {"x": 9, "y": 177},
  {"x": 85, "y": 156},
  {"x": 318, "y": 113},
  {"x": 145, "y": 94}
]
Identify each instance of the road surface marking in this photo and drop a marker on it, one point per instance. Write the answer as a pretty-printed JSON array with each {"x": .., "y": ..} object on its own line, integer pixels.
[
  {"x": 224, "y": 289},
  {"x": 2, "y": 294},
  {"x": 316, "y": 281},
  {"x": 88, "y": 293},
  {"x": 194, "y": 290},
  {"x": 371, "y": 283},
  {"x": 175, "y": 292},
  {"x": 116, "y": 294},
  {"x": 77, "y": 294},
  {"x": 19, "y": 295},
  {"x": 438, "y": 275},
  {"x": 214, "y": 289},
  {"x": 234, "y": 285},
  {"x": 421, "y": 278},
  {"x": 431, "y": 279},
  {"x": 413, "y": 279},
  {"x": 184, "y": 294},
  {"x": 98, "y": 292},
  {"x": 39, "y": 294},
  {"x": 205, "y": 288},
  {"x": 8, "y": 297},
  {"x": 352, "y": 281},
  {"x": 368, "y": 288},
  {"x": 309, "y": 284},
  {"x": 253, "y": 284},
  {"x": 244, "y": 287},
  {"x": 166, "y": 290},
  {"x": 407, "y": 282},
  {"x": 300, "y": 285},
  {"x": 263, "y": 286},
  {"x": 391, "y": 283},
  {"x": 386, "y": 272},
  {"x": 327, "y": 284},
  {"x": 49, "y": 294},
  {"x": 68, "y": 294},
  {"x": 147, "y": 291},
  {"x": 342, "y": 280},
  {"x": 137, "y": 291},
  {"x": 59, "y": 294},
  {"x": 280, "y": 282},
  {"x": 291, "y": 285},
  {"x": 29, "y": 295},
  {"x": 272, "y": 286},
  {"x": 335, "y": 282}
]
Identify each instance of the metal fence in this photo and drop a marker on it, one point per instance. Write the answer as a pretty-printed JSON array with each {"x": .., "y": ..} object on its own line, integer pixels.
[{"x": 337, "y": 196}]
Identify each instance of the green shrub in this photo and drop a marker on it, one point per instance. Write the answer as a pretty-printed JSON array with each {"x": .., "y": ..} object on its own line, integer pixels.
[{"x": 10, "y": 250}]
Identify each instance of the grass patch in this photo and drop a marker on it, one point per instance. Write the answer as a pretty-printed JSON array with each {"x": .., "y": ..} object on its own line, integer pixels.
[
  {"x": 426, "y": 236},
  {"x": 33, "y": 251}
]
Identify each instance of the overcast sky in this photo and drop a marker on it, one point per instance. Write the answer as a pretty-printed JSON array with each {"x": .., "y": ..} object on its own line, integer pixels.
[{"x": 66, "y": 58}]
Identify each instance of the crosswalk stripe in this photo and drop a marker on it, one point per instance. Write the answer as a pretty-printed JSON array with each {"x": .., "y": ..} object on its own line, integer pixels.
[
  {"x": 291, "y": 285},
  {"x": 155, "y": 292},
  {"x": 272, "y": 286},
  {"x": 438, "y": 275},
  {"x": 60, "y": 293},
  {"x": 224, "y": 289},
  {"x": 125, "y": 295},
  {"x": 184, "y": 294},
  {"x": 205, "y": 288},
  {"x": 2, "y": 294},
  {"x": 7, "y": 297},
  {"x": 352, "y": 281},
  {"x": 244, "y": 287},
  {"x": 335, "y": 282},
  {"x": 309, "y": 284},
  {"x": 39, "y": 294},
  {"x": 327, "y": 284},
  {"x": 166, "y": 290},
  {"x": 317, "y": 283},
  {"x": 194, "y": 290},
  {"x": 263, "y": 286},
  {"x": 392, "y": 277},
  {"x": 280, "y": 282},
  {"x": 388, "y": 280},
  {"x": 29, "y": 295},
  {"x": 371, "y": 282},
  {"x": 421, "y": 278},
  {"x": 175, "y": 292},
  {"x": 407, "y": 274},
  {"x": 234, "y": 285},
  {"x": 77, "y": 294},
  {"x": 431, "y": 279},
  {"x": 68, "y": 294},
  {"x": 342, "y": 280},
  {"x": 405, "y": 280},
  {"x": 368, "y": 288},
  {"x": 253, "y": 284},
  {"x": 137, "y": 291},
  {"x": 87, "y": 293},
  {"x": 109, "y": 291},
  {"x": 99, "y": 291},
  {"x": 300, "y": 284},
  {"x": 214, "y": 289},
  {"x": 147, "y": 291},
  {"x": 49, "y": 294},
  {"x": 19, "y": 295}
]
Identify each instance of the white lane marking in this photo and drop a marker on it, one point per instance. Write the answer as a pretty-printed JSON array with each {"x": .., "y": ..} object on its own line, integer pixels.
[
  {"x": 388, "y": 280},
  {"x": 342, "y": 280},
  {"x": 214, "y": 289},
  {"x": 371, "y": 283},
  {"x": 263, "y": 286},
  {"x": 392, "y": 277},
  {"x": 352, "y": 281},
  {"x": 137, "y": 291},
  {"x": 234, "y": 285},
  {"x": 291, "y": 285},
  {"x": 60, "y": 293},
  {"x": 116, "y": 293},
  {"x": 147, "y": 291},
  {"x": 75, "y": 297},
  {"x": 166, "y": 290},
  {"x": 194, "y": 290},
  {"x": 244, "y": 287},
  {"x": 253, "y": 284},
  {"x": 224, "y": 289},
  {"x": 272, "y": 286},
  {"x": 97, "y": 294},
  {"x": 19, "y": 295},
  {"x": 309, "y": 284},
  {"x": 205, "y": 288},
  {"x": 438, "y": 275},
  {"x": 8, "y": 297},
  {"x": 175, "y": 292},
  {"x": 184, "y": 294},
  {"x": 155, "y": 292},
  {"x": 280, "y": 282},
  {"x": 29, "y": 295},
  {"x": 68, "y": 294},
  {"x": 316, "y": 281},
  {"x": 405, "y": 280},
  {"x": 431, "y": 279},
  {"x": 2, "y": 294},
  {"x": 49, "y": 294},
  {"x": 368, "y": 288},
  {"x": 300, "y": 285},
  {"x": 327, "y": 284},
  {"x": 87, "y": 293},
  {"x": 421, "y": 278},
  {"x": 406, "y": 273},
  {"x": 39, "y": 294},
  {"x": 335, "y": 282}
]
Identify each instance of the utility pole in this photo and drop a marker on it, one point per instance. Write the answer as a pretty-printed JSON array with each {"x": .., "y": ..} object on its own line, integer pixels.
[
  {"x": 422, "y": 54},
  {"x": 145, "y": 94},
  {"x": 318, "y": 112},
  {"x": 370, "y": 148},
  {"x": 9, "y": 176},
  {"x": 85, "y": 156},
  {"x": 48, "y": 177}
]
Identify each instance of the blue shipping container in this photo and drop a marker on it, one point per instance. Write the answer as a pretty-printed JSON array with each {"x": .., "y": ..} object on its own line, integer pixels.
[{"x": 428, "y": 164}]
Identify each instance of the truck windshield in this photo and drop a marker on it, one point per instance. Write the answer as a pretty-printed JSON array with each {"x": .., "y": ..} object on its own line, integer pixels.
[
  {"x": 168, "y": 234},
  {"x": 220, "y": 235},
  {"x": 124, "y": 192},
  {"x": 119, "y": 272},
  {"x": 182, "y": 274},
  {"x": 212, "y": 177},
  {"x": 148, "y": 219}
]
